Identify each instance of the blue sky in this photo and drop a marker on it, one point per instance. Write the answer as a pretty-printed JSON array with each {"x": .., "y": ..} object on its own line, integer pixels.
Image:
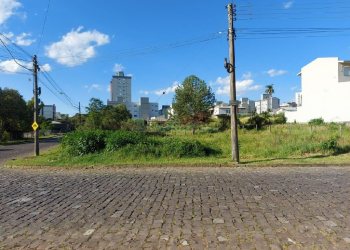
[{"x": 161, "y": 42}]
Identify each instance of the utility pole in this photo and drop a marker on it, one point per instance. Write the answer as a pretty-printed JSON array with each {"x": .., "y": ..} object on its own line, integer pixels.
[
  {"x": 79, "y": 114},
  {"x": 36, "y": 109},
  {"x": 231, "y": 69}
]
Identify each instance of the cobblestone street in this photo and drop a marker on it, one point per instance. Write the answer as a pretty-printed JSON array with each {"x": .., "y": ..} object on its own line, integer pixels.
[{"x": 189, "y": 208}]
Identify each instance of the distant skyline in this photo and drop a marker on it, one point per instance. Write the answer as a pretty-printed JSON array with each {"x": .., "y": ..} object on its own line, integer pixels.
[{"x": 81, "y": 44}]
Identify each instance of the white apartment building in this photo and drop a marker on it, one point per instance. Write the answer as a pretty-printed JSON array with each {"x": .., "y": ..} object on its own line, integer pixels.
[
  {"x": 245, "y": 106},
  {"x": 325, "y": 91},
  {"x": 267, "y": 104},
  {"x": 120, "y": 87}
]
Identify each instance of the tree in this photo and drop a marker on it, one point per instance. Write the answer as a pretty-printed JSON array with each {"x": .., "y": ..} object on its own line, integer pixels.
[
  {"x": 114, "y": 116},
  {"x": 95, "y": 105},
  {"x": 269, "y": 90},
  {"x": 93, "y": 119},
  {"x": 192, "y": 102},
  {"x": 14, "y": 114}
]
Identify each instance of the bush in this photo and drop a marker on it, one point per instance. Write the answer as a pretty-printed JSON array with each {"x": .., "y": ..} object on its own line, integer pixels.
[
  {"x": 184, "y": 148},
  {"x": 122, "y": 138},
  {"x": 316, "y": 121},
  {"x": 84, "y": 142},
  {"x": 5, "y": 137},
  {"x": 331, "y": 145}
]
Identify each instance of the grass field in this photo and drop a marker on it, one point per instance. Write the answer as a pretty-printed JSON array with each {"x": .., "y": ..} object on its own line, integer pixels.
[{"x": 280, "y": 144}]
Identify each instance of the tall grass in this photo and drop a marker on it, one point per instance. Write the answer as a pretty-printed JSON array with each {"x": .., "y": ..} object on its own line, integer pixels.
[{"x": 282, "y": 144}]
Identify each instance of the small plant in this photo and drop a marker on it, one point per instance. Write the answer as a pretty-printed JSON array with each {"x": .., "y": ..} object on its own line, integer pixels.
[
  {"x": 5, "y": 137},
  {"x": 122, "y": 138},
  {"x": 316, "y": 121},
  {"x": 84, "y": 142},
  {"x": 330, "y": 145}
]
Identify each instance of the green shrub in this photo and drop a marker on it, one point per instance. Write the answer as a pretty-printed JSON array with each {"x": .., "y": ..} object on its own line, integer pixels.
[
  {"x": 5, "y": 137},
  {"x": 184, "y": 148},
  {"x": 84, "y": 142},
  {"x": 119, "y": 139},
  {"x": 316, "y": 121},
  {"x": 330, "y": 145}
]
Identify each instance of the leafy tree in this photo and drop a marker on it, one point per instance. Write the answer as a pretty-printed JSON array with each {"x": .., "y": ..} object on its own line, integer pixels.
[
  {"x": 14, "y": 114},
  {"x": 114, "y": 116},
  {"x": 95, "y": 105},
  {"x": 93, "y": 119},
  {"x": 269, "y": 89},
  {"x": 105, "y": 117},
  {"x": 192, "y": 102}
]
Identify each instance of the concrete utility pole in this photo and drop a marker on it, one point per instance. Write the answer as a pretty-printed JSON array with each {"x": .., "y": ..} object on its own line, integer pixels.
[
  {"x": 36, "y": 109},
  {"x": 231, "y": 68}
]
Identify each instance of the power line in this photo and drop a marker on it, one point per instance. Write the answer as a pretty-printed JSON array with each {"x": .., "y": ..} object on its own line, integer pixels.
[
  {"x": 44, "y": 23},
  {"x": 14, "y": 59}
]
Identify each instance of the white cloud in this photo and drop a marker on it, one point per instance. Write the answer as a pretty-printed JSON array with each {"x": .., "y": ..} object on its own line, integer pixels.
[
  {"x": 93, "y": 87},
  {"x": 118, "y": 67},
  {"x": 109, "y": 88},
  {"x": 76, "y": 47},
  {"x": 275, "y": 72},
  {"x": 7, "y": 8},
  {"x": 24, "y": 40},
  {"x": 21, "y": 39},
  {"x": 287, "y": 5},
  {"x": 10, "y": 66},
  {"x": 169, "y": 90},
  {"x": 46, "y": 67},
  {"x": 242, "y": 86}
]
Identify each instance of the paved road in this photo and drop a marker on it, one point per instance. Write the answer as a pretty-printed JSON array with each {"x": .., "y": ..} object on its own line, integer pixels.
[
  {"x": 13, "y": 151},
  {"x": 189, "y": 208}
]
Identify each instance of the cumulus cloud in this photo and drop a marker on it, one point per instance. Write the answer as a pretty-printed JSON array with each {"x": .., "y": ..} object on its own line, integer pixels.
[
  {"x": 244, "y": 85},
  {"x": 76, "y": 47},
  {"x": 7, "y": 9},
  {"x": 287, "y": 5},
  {"x": 46, "y": 67},
  {"x": 22, "y": 39},
  {"x": 118, "y": 67},
  {"x": 165, "y": 91},
  {"x": 93, "y": 87},
  {"x": 11, "y": 67},
  {"x": 275, "y": 72}
]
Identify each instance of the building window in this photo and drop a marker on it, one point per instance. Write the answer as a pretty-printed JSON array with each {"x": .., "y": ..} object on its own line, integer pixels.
[{"x": 347, "y": 71}]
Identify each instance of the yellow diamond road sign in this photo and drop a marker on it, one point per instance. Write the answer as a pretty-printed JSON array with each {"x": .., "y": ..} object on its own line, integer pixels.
[{"x": 35, "y": 126}]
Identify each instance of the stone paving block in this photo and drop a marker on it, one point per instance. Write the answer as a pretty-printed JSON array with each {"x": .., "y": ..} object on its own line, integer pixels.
[{"x": 172, "y": 208}]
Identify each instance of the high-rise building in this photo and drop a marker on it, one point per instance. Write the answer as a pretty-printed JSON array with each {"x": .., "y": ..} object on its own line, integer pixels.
[
  {"x": 121, "y": 88},
  {"x": 48, "y": 112}
]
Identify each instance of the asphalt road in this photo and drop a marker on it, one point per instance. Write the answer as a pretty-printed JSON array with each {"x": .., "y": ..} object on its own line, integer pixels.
[
  {"x": 176, "y": 208},
  {"x": 13, "y": 151}
]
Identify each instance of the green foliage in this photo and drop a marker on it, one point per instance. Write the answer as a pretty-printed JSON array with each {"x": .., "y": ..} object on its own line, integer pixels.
[
  {"x": 105, "y": 117},
  {"x": 113, "y": 116},
  {"x": 176, "y": 147},
  {"x": 5, "y": 136},
  {"x": 15, "y": 117},
  {"x": 224, "y": 122},
  {"x": 134, "y": 125},
  {"x": 84, "y": 142},
  {"x": 279, "y": 118},
  {"x": 119, "y": 139},
  {"x": 316, "y": 121},
  {"x": 330, "y": 145},
  {"x": 192, "y": 102},
  {"x": 132, "y": 144}
]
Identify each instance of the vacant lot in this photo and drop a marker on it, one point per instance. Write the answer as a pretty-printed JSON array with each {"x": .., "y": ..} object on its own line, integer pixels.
[{"x": 280, "y": 144}]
